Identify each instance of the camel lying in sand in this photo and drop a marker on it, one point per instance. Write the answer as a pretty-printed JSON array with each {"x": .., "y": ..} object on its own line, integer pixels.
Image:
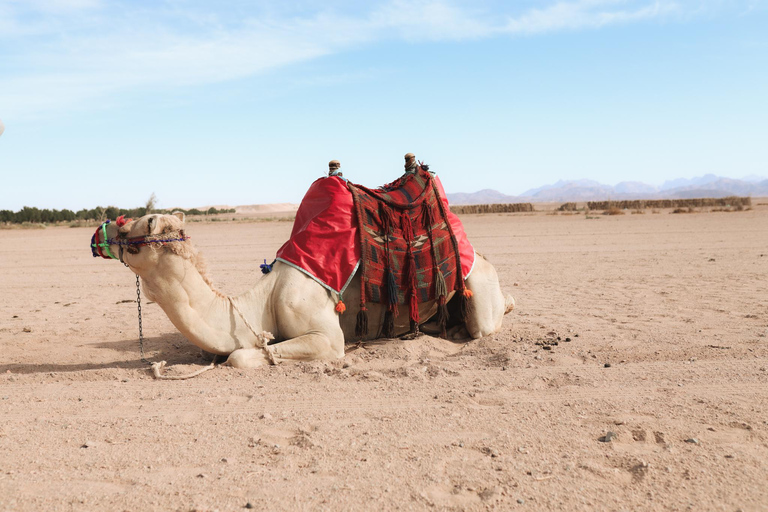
[{"x": 295, "y": 309}]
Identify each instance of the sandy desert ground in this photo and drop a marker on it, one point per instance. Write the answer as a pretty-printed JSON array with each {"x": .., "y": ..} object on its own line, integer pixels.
[{"x": 652, "y": 327}]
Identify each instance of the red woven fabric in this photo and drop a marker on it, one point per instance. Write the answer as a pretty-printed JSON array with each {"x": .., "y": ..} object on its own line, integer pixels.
[
  {"x": 325, "y": 242},
  {"x": 406, "y": 240}
]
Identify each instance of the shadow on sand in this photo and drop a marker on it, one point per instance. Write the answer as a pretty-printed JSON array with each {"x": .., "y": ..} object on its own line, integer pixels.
[{"x": 173, "y": 348}]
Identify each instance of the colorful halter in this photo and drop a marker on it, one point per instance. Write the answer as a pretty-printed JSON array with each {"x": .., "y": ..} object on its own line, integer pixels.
[{"x": 100, "y": 242}]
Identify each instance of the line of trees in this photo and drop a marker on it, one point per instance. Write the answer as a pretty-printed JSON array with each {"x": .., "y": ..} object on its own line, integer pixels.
[{"x": 99, "y": 214}]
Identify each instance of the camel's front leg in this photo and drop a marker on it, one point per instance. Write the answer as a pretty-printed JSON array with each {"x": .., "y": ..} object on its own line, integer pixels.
[
  {"x": 309, "y": 347},
  {"x": 306, "y": 319}
]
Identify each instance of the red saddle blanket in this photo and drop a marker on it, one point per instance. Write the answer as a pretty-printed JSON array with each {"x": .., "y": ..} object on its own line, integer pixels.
[{"x": 338, "y": 222}]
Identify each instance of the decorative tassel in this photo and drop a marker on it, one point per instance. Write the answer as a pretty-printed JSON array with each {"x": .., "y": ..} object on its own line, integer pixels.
[
  {"x": 340, "y": 307},
  {"x": 442, "y": 315},
  {"x": 361, "y": 326},
  {"x": 411, "y": 276},
  {"x": 405, "y": 222},
  {"x": 412, "y": 272},
  {"x": 414, "y": 302},
  {"x": 464, "y": 304},
  {"x": 441, "y": 292},
  {"x": 414, "y": 308},
  {"x": 388, "y": 328},
  {"x": 463, "y": 308},
  {"x": 392, "y": 292},
  {"x": 441, "y": 289},
  {"x": 427, "y": 216},
  {"x": 387, "y": 223},
  {"x": 266, "y": 268}
]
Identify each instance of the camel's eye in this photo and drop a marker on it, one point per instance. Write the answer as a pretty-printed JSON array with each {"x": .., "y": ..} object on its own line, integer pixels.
[{"x": 150, "y": 221}]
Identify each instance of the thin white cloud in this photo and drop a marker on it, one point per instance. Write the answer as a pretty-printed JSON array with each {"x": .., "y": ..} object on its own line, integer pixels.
[
  {"x": 63, "y": 54},
  {"x": 586, "y": 14},
  {"x": 430, "y": 20}
]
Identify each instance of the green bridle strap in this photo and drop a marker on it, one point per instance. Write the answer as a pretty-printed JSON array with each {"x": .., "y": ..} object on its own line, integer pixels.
[{"x": 105, "y": 244}]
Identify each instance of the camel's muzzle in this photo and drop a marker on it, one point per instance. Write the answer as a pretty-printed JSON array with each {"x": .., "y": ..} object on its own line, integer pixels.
[{"x": 100, "y": 243}]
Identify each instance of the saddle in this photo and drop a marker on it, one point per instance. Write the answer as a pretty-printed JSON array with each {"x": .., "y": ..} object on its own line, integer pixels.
[{"x": 402, "y": 236}]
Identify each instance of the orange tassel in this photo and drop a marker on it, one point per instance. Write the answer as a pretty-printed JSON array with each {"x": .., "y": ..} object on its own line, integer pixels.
[
  {"x": 468, "y": 293},
  {"x": 340, "y": 308}
]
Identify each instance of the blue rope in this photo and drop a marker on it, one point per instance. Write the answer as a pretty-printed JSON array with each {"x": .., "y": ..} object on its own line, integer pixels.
[{"x": 146, "y": 242}]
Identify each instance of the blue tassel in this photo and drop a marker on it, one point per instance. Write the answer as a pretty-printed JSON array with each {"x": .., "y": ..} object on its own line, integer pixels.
[{"x": 267, "y": 268}]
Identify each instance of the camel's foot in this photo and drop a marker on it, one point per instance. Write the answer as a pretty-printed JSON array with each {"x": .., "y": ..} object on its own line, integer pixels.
[
  {"x": 248, "y": 358},
  {"x": 510, "y": 303}
]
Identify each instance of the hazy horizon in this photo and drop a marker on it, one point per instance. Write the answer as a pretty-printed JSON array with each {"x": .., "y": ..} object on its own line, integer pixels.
[{"x": 751, "y": 178}]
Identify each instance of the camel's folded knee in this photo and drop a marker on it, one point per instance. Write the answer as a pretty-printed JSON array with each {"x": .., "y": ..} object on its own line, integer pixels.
[{"x": 248, "y": 358}]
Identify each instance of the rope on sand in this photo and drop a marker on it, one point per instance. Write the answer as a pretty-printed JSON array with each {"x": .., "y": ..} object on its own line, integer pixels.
[{"x": 158, "y": 367}]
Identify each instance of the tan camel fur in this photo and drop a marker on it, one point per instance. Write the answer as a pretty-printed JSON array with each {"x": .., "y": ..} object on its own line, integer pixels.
[{"x": 297, "y": 310}]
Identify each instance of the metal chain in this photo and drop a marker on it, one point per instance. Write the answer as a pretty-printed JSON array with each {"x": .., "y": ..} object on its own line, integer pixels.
[
  {"x": 264, "y": 337},
  {"x": 157, "y": 367},
  {"x": 141, "y": 332}
]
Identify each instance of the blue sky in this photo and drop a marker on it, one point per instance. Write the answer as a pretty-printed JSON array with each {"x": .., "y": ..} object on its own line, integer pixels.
[{"x": 235, "y": 102}]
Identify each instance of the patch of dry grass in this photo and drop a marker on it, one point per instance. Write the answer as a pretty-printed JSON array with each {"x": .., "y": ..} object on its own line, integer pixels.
[
  {"x": 24, "y": 225},
  {"x": 737, "y": 208},
  {"x": 84, "y": 224}
]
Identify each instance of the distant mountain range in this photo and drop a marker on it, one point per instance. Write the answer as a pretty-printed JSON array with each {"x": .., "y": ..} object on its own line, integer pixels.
[{"x": 708, "y": 185}]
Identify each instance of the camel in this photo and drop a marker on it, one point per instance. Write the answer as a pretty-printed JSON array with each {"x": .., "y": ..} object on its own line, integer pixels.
[{"x": 285, "y": 304}]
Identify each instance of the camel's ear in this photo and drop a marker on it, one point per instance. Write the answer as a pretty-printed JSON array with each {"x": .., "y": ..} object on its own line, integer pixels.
[{"x": 179, "y": 215}]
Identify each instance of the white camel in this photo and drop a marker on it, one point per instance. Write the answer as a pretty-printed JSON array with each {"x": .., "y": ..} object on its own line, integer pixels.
[{"x": 295, "y": 309}]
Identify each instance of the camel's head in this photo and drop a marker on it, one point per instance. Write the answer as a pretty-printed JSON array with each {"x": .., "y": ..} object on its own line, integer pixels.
[
  {"x": 104, "y": 241},
  {"x": 137, "y": 242}
]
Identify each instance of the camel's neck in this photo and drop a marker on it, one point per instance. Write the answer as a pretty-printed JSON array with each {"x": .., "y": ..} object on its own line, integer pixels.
[{"x": 205, "y": 317}]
